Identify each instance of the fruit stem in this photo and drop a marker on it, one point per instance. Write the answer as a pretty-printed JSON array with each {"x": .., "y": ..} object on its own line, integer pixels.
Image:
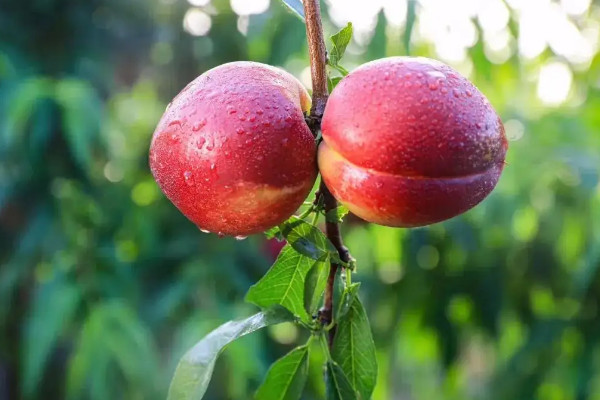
[{"x": 318, "y": 70}]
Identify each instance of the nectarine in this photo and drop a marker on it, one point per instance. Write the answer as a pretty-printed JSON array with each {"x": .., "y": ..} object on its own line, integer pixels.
[
  {"x": 409, "y": 142},
  {"x": 233, "y": 151}
]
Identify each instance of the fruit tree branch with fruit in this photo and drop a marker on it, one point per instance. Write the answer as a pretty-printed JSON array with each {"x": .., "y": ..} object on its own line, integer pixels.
[{"x": 402, "y": 142}]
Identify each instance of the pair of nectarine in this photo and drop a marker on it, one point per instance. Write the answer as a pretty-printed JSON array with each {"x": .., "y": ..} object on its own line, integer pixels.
[{"x": 406, "y": 142}]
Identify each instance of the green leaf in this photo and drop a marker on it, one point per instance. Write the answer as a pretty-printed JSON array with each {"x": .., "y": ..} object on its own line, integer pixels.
[
  {"x": 195, "y": 369},
  {"x": 53, "y": 308},
  {"x": 346, "y": 300},
  {"x": 314, "y": 285},
  {"x": 338, "y": 385},
  {"x": 286, "y": 377},
  {"x": 283, "y": 284},
  {"x": 340, "y": 41},
  {"x": 19, "y": 109},
  {"x": 113, "y": 340},
  {"x": 296, "y": 7},
  {"x": 273, "y": 233},
  {"x": 307, "y": 239},
  {"x": 333, "y": 82},
  {"x": 82, "y": 114},
  {"x": 410, "y": 23},
  {"x": 336, "y": 215},
  {"x": 353, "y": 349}
]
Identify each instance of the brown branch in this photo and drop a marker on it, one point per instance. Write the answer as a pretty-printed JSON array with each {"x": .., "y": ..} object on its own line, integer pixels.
[
  {"x": 318, "y": 58},
  {"x": 318, "y": 63}
]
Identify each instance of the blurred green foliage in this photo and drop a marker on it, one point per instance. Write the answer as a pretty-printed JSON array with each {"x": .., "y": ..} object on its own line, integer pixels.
[{"x": 104, "y": 285}]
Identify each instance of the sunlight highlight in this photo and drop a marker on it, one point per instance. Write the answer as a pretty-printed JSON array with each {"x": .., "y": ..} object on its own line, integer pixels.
[{"x": 554, "y": 83}]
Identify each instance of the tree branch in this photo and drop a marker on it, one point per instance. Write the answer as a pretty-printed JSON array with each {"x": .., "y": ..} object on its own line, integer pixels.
[
  {"x": 318, "y": 58},
  {"x": 318, "y": 64}
]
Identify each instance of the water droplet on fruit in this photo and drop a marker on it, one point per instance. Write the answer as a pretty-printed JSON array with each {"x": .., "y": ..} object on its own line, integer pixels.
[
  {"x": 469, "y": 93},
  {"x": 259, "y": 112},
  {"x": 433, "y": 86},
  {"x": 240, "y": 131},
  {"x": 210, "y": 146},
  {"x": 168, "y": 106},
  {"x": 252, "y": 118},
  {"x": 242, "y": 118},
  {"x": 456, "y": 93},
  {"x": 204, "y": 230},
  {"x": 187, "y": 176},
  {"x": 176, "y": 122},
  {"x": 284, "y": 141},
  {"x": 289, "y": 118},
  {"x": 213, "y": 166},
  {"x": 240, "y": 237},
  {"x": 378, "y": 185},
  {"x": 200, "y": 142},
  {"x": 478, "y": 125},
  {"x": 174, "y": 139},
  {"x": 231, "y": 111},
  {"x": 221, "y": 235},
  {"x": 199, "y": 125},
  {"x": 436, "y": 74},
  {"x": 444, "y": 90}
]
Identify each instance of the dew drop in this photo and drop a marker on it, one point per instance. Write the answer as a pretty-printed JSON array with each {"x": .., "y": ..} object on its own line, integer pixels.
[
  {"x": 252, "y": 118},
  {"x": 210, "y": 146},
  {"x": 478, "y": 125},
  {"x": 187, "y": 176},
  {"x": 240, "y": 131},
  {"x": 284, "y": 141},
  {"x": 199, "y": 125},
  {"x": 469, "y": 93},
  {"x": 242, "y": 118},
  {"x": 204, "y": 230},
  {"x": 176, "y": 122},
  {"x": 221, "y": 235},
  {"x": 200, "y": 142},
  {"x": 289, "y": 118},
  {"x": 240, "y": 237},
  {"x": 168, "y": 106},
  {"x": 433, "y": 86},
  {"x": 232, "y": 111},
  {"x": 259, "y": 112},
  {"x": 444, "y": 90},
  {"x": 456, "y": 93},
  {"x": 213, "y": 166}
]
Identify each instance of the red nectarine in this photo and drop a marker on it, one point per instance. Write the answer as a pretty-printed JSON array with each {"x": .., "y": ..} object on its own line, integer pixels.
[
  {"x": 409, "y": 142},
  {"x": 233, "y": 151}
]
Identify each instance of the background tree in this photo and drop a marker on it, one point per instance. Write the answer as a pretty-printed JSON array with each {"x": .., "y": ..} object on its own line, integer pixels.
[{"x": 103, "y": 285}]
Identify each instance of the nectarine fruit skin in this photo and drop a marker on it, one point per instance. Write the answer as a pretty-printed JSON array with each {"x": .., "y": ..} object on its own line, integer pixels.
[
  {"x": 409, "y": 142},
  {"x": 233, "y": 152}
]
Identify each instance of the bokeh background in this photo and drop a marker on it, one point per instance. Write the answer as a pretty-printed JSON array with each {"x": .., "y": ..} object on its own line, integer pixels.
[{"x": 104, "y": 285}]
